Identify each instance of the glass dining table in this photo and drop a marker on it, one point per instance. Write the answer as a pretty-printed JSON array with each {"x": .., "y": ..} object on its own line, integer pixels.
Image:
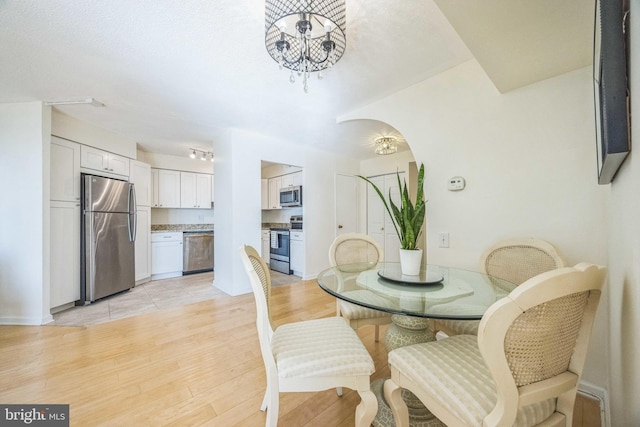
[
  {"x": 438, "y": 292},
  {"x": 414, "y": 302}
]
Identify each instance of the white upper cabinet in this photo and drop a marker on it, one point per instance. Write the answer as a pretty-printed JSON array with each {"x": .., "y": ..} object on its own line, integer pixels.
[
  {"x": 168, "y": 188},
  {"x": 188, "y": 190},
  {"x": 291, "y": 179},
  {"x": 92, "y": 158},
  {"x": 65, "y": 170},
  {"x": 275, "y": 184},
  {"x": 264, "y": 191},
  {"x": 154, "y": 188},
  {"x": 212, "y": 189},
  {"x": 141, "y": 178},
  {"x": 195, "y": 190},
  {"x": 204, "y": 195}
]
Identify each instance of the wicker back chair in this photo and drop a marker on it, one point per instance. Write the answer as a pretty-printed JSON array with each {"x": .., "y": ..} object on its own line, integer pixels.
[
  {"x": 346, "y": 251},
  {"x": 514, "y": 260},
  {"x": 522, "y": 369},
  {"x": 306, "y": 356}
]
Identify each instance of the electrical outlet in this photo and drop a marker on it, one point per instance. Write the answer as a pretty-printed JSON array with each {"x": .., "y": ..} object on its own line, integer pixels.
[{"x": 443, "y": 240}]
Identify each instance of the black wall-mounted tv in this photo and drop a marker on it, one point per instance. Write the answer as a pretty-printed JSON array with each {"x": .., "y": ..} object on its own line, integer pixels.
[{"x": 611, "y": 92}]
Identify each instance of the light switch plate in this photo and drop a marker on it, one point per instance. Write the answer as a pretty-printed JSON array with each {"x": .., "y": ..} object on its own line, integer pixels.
[{"x": 443, "y": 240}]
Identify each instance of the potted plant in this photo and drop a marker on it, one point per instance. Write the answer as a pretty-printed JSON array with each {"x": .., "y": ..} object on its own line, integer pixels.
[{"x": 407, "y": 219}]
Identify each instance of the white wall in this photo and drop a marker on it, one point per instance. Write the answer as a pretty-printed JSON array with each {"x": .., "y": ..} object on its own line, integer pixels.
[
  {"x": 182, "y": 216},
  {"x": 67, "y": 127},
  {"x": 529, "y": 160},
  {"x": 623, "y": 225},
  {"x": 238, "y": 188},
  {"x": 24, "y": 213}
]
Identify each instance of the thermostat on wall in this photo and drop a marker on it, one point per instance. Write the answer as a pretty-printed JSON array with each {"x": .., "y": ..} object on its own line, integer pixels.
[{"x": 455, "y": 184}]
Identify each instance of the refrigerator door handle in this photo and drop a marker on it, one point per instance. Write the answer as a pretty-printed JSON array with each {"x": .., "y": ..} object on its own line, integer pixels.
[
  {"x": 135, "y": 226},
  {"x": 132, "y": 213},
  {"x": 131, "y": 203}
]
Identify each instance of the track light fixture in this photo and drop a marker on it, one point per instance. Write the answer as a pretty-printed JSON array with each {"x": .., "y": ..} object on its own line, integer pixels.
[{"x": 204, "y": 155}]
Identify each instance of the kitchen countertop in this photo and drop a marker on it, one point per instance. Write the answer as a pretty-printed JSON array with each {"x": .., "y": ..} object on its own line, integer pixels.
[{"x": 156, "y": 228}]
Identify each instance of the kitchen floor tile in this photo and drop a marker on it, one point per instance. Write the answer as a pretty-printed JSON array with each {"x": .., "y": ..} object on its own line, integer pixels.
[{"x": 151, "y": 296}]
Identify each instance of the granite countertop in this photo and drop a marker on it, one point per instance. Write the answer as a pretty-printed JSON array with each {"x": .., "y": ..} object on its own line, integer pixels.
[{"x": 181, "y": 227}]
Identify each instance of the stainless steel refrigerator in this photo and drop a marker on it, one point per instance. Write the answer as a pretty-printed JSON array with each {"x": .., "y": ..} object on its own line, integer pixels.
[{"x": 108, "y": 228}]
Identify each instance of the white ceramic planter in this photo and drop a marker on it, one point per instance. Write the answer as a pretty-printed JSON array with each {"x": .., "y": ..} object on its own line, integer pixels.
[{"x": 410, "y": 261}]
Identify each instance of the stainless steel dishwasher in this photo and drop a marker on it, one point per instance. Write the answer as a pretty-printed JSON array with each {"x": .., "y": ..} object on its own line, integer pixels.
[{"x": 197, "y": 251}]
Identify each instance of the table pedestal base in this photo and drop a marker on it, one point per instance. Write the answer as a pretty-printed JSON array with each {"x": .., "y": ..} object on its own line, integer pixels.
[
  {"x": 403, "y": 331},
  {"x": 407, "y": 330},
  {"x": 419, "y": 416}
]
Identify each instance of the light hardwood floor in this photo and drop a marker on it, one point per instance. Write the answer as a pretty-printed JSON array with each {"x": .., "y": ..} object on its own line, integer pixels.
[{"x": 197, "y": 364}]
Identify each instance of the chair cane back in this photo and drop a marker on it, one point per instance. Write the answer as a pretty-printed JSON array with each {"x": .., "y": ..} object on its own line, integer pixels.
[
  {"x": 514, "y": 260},
  {"x": 523, "y": 368},
  {"x": 348, "y": 249}
]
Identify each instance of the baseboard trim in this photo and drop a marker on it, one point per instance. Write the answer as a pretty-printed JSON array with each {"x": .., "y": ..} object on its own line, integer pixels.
[
  {"x": 599, "y": 393},
  {"x": 26, "y": 321}
]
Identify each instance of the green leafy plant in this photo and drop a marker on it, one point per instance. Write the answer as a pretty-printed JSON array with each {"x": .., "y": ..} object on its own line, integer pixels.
[{"x": 408, "y": 218}]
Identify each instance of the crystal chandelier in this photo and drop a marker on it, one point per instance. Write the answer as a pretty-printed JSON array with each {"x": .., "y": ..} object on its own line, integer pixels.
[
  {"x": 305, "y": 36},
  {"x": 386, "y": 145}
]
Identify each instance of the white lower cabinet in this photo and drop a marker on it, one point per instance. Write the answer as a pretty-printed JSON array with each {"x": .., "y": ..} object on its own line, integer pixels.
[
  {"x": 266, "y": 245},
  {"x": 65, "y": 253},
  {"x": 166, "y": 254},
  {"x": 143, "y": 244},
  {"x": 296, "y": 242}
]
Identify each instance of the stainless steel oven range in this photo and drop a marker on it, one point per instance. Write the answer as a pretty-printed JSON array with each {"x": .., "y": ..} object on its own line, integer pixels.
[{"x": 279, "y": 250}]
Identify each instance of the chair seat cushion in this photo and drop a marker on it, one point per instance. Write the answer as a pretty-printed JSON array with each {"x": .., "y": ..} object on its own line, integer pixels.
[
  {"x": 355, "y": 311},
  {"x": 460, "y": 327},
  {"x": 453, "y": 373},
  {"x": 320, "y": 348}
]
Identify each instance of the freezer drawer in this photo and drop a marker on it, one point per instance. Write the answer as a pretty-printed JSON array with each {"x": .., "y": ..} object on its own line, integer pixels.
[{"x": 197, "y": 252}]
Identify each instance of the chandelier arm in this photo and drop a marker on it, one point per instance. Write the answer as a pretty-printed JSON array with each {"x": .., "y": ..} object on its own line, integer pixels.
[{"x": 322, "y": 61}]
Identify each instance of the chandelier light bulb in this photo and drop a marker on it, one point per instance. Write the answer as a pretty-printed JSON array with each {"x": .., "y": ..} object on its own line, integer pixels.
[{"x": 193, "y": 154}]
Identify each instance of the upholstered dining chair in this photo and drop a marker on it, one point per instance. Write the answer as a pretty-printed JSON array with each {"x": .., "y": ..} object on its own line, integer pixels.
[
  {"x": 522, "y": 369},
  {"x": 309, "y": 355},
  {"x": 514, "y": 260},
  {"x": 350, "y": 248}
]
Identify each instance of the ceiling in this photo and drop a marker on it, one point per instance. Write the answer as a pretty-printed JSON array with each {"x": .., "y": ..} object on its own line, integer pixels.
[{"x": 177, "y": 74}]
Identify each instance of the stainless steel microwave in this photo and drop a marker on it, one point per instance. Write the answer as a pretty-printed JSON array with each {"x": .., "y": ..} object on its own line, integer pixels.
[{"x": 291, "y": 196}]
